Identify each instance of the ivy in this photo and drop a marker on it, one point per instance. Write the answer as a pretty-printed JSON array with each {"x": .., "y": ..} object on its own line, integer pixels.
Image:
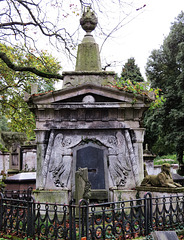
[{"x": 140, "y": 89}]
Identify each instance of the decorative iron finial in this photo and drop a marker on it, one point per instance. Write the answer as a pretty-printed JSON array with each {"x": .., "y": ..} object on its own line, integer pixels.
[{"x": 88, "y": 20}]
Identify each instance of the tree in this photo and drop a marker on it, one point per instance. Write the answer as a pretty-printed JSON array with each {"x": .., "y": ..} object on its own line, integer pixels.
[
  {"x": 165, "y": 69},
  {"x": 33, "y": 22},
  {"x": 131, "y": 80},
  {"x": 131, "y": 71},
  {"x": 13, "y": 85}
]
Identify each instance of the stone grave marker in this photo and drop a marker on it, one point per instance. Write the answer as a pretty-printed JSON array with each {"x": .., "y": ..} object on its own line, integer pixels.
[{"x": 82, "y": 185}]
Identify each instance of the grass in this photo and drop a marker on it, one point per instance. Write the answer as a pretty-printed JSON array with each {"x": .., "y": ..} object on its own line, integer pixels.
[{"x": 165, "y": 159}]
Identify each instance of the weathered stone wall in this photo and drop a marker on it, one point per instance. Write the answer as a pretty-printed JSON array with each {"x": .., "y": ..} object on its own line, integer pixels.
[
  {"x": 91, "y": 116},
  {"x": 121, "y": 158},
  {"x": 157, "y": 169}
]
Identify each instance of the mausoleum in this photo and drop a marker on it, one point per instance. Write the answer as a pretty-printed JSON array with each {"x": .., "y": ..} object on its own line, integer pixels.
[{"x": 88, "y": 123}]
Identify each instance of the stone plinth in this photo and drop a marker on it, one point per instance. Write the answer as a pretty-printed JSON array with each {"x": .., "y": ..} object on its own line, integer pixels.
[
  {"x": 158, "y": 191},
  {"x": 88, "y": 58},
  {"x": 158, "y": 202},
  {"x": 120, "y": 194},
  {"x": 74, "y": 79},
  {"x": 52, "y": 196},
  {"x": 164, "y": 235}
]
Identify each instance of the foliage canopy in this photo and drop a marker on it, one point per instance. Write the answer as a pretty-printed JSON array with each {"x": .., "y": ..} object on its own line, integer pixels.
[
  {"x": 165, "y": 70},
  {"x": 13, "y": 85}
]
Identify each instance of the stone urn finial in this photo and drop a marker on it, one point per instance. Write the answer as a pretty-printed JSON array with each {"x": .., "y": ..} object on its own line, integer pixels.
[
  {"x": 88, "y": 56},
  {"x": 88, "y": 20}
]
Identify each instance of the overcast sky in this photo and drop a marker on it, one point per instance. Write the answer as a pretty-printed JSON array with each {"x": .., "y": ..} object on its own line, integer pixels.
[
  {"x": 139, "y": 37},
  {"x": 145, "y": 33}
]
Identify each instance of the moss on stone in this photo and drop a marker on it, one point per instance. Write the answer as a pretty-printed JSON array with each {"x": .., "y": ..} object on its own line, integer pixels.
[
  {"x": 51, "y": 196},
  {"x": 88, "y": 58}
]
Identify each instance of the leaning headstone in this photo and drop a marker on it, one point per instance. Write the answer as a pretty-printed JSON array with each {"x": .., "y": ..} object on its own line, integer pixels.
[
  {"x": 82, "y": 188},
  {"x": 164, "y": 235},
  {"x": 82, "y": 185}
]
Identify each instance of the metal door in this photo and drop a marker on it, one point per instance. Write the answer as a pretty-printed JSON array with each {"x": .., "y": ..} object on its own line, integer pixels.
[{"x": 93, "y": 159}]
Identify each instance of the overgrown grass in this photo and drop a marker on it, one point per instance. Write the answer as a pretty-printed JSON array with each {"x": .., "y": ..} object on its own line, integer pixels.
[{"x": 165, "y": 159}]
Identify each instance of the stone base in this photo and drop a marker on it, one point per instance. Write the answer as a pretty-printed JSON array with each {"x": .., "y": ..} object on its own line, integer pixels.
[
  {"x": 117, "y": 195},
  {"x": 73, "y": 79},
  {"x": 161, "y": 190},
  {"x": 157, "y": 196},
  {"x": 52, "y": 196},
  {"x": 120, "y": 194}
]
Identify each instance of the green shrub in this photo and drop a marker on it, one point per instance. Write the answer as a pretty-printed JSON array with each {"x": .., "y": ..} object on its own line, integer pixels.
[{"x": 165, "y": 159}]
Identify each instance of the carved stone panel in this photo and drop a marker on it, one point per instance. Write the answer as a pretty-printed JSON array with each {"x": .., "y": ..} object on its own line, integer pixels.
[
  {"x": 57, "y": 164},
  {"x": 108, "y": 155}
]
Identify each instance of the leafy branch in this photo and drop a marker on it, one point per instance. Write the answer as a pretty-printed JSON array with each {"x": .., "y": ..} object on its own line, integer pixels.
[
  {"x": 140, "y": 88},
  {"x": 16, "y": 68}
]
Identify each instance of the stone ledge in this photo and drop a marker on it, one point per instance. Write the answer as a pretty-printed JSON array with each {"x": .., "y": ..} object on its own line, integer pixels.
[
  {"x": 99, "y": 194},
  {"x": 88, "y": 73},
  {"x": 161, "y": 189}
]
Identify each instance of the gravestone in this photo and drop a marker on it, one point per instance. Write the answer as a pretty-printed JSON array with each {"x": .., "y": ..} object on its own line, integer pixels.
[{"x": 164, "y": 235}]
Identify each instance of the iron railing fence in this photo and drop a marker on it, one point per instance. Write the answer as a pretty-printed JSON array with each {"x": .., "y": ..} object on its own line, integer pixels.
[
  {"x": 55, "y": 221},
  {"x": 167, "y": 212},
  {"x": 18, "y": 194},
  {"x": 22, "y": 216},
  {"x": 114, "y": 220},
  {"x": 16, "y": 212}
]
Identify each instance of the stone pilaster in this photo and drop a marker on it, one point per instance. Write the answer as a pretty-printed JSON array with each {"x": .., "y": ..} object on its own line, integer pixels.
[
  {"x": 138, "y": 146},
  {"x": 41, "y": 142}
]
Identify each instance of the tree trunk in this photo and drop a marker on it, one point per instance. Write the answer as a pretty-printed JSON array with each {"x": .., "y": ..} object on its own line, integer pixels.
[{"x": 179, "y": 152}]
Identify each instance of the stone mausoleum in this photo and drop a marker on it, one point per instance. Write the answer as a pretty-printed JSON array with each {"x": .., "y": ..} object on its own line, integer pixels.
[{"x": 89, "y": 124}]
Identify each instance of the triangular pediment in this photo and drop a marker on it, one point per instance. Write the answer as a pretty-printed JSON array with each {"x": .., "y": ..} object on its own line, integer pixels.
[{"x": 77, "y": 94}]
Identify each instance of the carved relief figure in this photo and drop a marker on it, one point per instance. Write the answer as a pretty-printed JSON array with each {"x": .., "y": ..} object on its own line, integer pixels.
[
  {"x": 60, "y": 164},
  {"x": 47, "y": 159},
  {"x": 163, "y": 179},
  {"x": 120, "y": 163}
]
